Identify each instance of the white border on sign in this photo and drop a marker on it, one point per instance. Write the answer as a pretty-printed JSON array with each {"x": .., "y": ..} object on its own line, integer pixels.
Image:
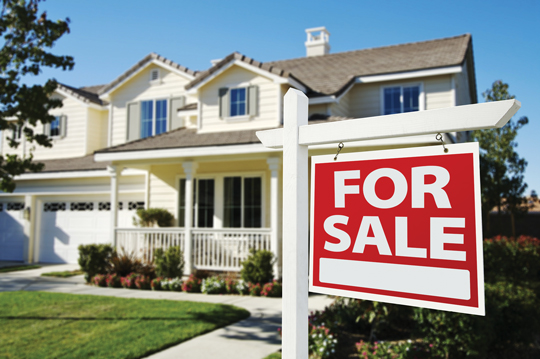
[{"x": 471, "y": 147}]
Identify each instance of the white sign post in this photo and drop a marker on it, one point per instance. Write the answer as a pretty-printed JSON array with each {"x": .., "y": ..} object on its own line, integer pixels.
[{"x": 295, "y": 138}]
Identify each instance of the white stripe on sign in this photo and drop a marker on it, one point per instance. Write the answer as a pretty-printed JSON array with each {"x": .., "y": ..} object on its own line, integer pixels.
[{"x": 440, "y": 282}]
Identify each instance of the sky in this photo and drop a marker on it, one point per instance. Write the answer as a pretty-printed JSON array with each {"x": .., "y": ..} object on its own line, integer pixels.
[{"x": 108, "y": 37}]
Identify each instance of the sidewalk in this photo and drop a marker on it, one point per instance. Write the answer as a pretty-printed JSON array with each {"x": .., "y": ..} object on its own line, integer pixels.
[{"x": 252, "y": 338}]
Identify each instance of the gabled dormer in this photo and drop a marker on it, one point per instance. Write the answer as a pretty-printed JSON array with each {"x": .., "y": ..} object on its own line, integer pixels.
[{"x": 144, "y": 100}]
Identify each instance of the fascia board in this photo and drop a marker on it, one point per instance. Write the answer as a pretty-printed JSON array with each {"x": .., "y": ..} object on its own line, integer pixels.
[
  {"x": 410, "y": 74},
  {"x": 182, "y": 152},
  {"x": 106, "y": 96},
  {"x": 70, "y": 193},
  {"x": 75, "y": 174},
  {"x": 83, "y": 103}
]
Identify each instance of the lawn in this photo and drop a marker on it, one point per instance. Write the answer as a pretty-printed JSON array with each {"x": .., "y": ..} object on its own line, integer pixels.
[
  {"x": 63, "y": 274},
  {"x": 18, "y": 268},
  {"x": 55, "y": 325}
]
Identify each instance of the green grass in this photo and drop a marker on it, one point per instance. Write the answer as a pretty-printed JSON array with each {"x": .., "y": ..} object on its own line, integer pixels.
[
  {"x": 55, "y": 325},
  {"x": 274, "y": 356},
  {"x": 64, "y": 274},
  {"x": 18, "y": 268}
]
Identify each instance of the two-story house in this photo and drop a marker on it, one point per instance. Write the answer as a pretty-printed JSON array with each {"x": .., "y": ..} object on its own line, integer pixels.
[{"x": 161, "y": 135}]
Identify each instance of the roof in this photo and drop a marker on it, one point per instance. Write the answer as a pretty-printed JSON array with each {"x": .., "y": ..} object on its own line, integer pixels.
[
  {"x": 85, "y": 163},
  {"x": 86, "y": 94},
  {"x": 183, "y": 137},
  {"x": 332, "y": 73},
  {"x": 148, "y": 58}
]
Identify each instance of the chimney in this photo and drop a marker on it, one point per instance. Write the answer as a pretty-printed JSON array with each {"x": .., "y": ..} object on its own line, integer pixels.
[{"x": 318, "y": 41}]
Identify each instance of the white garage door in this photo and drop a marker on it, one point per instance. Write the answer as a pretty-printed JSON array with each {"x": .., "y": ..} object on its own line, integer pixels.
[
  {"x": 11, "y": 231},
  {"x": 66, "y": 225}
]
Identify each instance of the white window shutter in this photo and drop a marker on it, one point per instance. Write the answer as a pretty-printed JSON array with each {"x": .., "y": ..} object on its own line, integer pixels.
[
  {"x": 133, "y": 121},
  {"x": 252, "y": 100},
  {"x": 224, "y": 102},
  {"x": 175, "y": 104},
  {"x": 63, "y": 126},
  {"x": 47, "y": 129}
]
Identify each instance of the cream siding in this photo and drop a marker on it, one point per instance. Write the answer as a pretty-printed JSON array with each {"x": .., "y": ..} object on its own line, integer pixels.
[
  {"x": 267, "y": 112},
  {"x": 342, "y": 107},
  {"x": 96, "y": 130},
  {"x": 163, "y": 190},
  {"x": 438, "y": 92},
  {"x": 463, "y": 96},
  {"x": 365, "y": 100},
  {"x": 72, "y": 145},
  {"x": 139, "y": 88}
]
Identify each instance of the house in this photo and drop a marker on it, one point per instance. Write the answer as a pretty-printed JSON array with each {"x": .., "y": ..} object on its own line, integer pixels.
[{"x": 162, "y": 135}]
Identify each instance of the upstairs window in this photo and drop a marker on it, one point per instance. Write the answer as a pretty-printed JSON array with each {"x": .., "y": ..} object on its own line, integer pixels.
[
  {"x": 16, "y": 133},
  {"x": 153, "y": 117},
  {"x": 57, "y": 128},
  {"x": 400, "y": 99},
  {"x": 238, "y": 103}
]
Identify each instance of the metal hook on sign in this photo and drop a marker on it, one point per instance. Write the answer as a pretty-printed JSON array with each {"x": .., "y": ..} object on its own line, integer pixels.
[
  {"x": 339, "y": 147},
  {"x": 439, "y": 137}
]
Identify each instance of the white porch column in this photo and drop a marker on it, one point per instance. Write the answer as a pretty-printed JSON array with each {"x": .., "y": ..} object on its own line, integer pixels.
[
  {"x": 189, "y": 171},
  {"x": 29, "y": 227},
  {"x": 273, "y": 165},
  {"x": 114, "y": 173}
]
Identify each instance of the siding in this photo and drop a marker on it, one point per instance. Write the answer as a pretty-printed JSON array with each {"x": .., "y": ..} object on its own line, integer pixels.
[
  {"x": 462, "y": 87},
  {"x": 341, "y": 108},
  {"x": 267, "y": 112},
  {"x": 439, "y": 92},
  {"x": 73, "y": 145},
  {"x": 139, "y": 88},
  {"x": 163, "y": 191},
  {"x": 97, "y": 130},
  {"x": 134, "y": 183}
]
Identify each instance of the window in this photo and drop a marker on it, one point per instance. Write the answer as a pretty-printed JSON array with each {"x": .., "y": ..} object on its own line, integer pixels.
[
  {"x": 16, "y": 133},
  {"x": 203, "y": 203},
  {"x": 238, "y": 102},
  {"x": 400, "y": 99},
  {"x": 57, "y": 128},
  {"x": 153, "y": 117},
  {"x": 242, "y": 202}
]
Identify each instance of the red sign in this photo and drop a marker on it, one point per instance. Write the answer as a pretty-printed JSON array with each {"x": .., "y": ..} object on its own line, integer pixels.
[{"x": 400, "y": 226}]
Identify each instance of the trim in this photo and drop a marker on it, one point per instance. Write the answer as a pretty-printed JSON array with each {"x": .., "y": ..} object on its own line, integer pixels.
[
  {"x": 332, "y": 98},
  {"x": 82, "y": 102},
  {"x": 110, "y": 126},
  {"x": 76, "y": 174},
  {"x": 409, "y": 75},
  {"x": 89, "y": 193},
  {"x": 421, "y": 96},
  {"x": 182, "y": 152}
]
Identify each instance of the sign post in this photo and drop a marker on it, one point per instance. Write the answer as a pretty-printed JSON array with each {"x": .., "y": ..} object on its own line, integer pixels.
[{"x": 295, "y": 138}]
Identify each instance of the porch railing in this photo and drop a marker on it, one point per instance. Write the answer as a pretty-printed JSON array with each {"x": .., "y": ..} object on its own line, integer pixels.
[{"x": 212, "y": 249}]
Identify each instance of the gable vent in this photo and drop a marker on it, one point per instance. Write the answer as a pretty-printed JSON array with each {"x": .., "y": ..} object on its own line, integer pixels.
[{"x": 154, "y": 75}]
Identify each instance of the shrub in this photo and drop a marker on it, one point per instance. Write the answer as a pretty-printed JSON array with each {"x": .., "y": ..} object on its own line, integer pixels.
[
  {"x": 213, "y": 285},
  {"x": 169, "y": 263},
  {"x": 124, "y": 263},
  {"x": 394, "y": 350},
  {"x": 254, "y": 289},
  {"x": 257, "y": 268},
  {"x": 192, "y": 285},
  {"x": 241, "y": 287},
  {"x": 322, "y": 343},
  {"x": 142, "y": 281},
  {"x": 129, "y": 281},
  {"x": 113, "y": 281},
  {"x": 272, "y": 289},
  {"x": 94, "y": 259},
  {"x": 151, "y": 216},
  {"x": 155, "y": 284},
  {"x": 176, "y": 284},
  {"x": 100, "y": 280}
]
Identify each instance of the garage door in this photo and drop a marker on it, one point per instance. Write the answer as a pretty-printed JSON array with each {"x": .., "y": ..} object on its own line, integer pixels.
[
  {"x": 66, "y": 225},
  {"x": 12, "y": 236}
]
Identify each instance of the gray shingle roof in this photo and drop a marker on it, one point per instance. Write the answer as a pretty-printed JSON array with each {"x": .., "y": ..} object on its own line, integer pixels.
[
  {"x": 85, "y": 163},
  {"x": 86, "y": 94},
  {"x": 332, "y": 73}
]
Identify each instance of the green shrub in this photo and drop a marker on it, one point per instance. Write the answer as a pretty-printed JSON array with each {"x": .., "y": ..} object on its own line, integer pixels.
[
  {"x": 95, "y": 259},
  {"x": 169, "y": 264},
  {"x": 257, "y": 268},
  {"x": 213, "y": 285},
  {"x": 272, "y": 289},
  {"x": 123, "y": 263},
  {"x": 151, "y": 216},
  {"x": 192, "y": 284}
]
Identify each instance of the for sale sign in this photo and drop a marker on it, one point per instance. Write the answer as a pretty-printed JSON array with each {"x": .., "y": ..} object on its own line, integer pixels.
[{"x": 399, "y": 226}]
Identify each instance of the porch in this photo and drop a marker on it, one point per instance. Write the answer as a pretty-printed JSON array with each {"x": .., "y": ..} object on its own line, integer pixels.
[{"x": 205, "y": 248}]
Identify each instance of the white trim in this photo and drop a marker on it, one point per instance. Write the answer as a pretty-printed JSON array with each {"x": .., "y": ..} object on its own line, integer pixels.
[
  {"x": 106, "y": 95},
  {"x": 182, "y": 152},
  {"x": 110, "y": 126},
  {"x": 330, "y": 99},
  {"x": 75, "y": 174},
  {"x": 89, "y": 193},
  {"x": 410, "y": 74}
]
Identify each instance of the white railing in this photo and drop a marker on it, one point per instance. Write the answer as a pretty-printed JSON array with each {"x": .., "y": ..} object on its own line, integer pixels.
[
  {"x": 143, "y": 241},
  {"x": 212, "y": 249},
  {"x": 225, "y": 249}
]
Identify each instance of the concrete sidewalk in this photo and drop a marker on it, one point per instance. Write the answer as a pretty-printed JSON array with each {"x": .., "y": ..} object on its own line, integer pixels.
[{"x": 252, "y": 338}]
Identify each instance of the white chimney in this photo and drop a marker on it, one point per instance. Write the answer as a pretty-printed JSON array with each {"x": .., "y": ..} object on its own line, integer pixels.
[{"x": 318, "y": 41}]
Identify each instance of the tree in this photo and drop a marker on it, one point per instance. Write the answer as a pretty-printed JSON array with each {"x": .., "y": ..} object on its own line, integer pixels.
[
  {"x": 501, "y": 167},
  {"x": 27, "y": 36}
]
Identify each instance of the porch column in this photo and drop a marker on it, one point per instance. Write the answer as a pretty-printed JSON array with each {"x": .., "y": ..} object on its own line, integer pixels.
[
  {"x": 273, "y": 165},
  {"x": 189, "y": 171},
  {"x": 29, "y": 215},
  {"x": 114, "y": 173}
]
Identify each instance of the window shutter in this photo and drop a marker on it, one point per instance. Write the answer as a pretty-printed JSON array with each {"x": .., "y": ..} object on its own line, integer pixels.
[
  {"x": 252, "y": 100},
  {"x": 224, "y": 102},
  {"x": 63, "y": 126},
  {"x": 133, "y": 121},
  {"x": 174, "y": 120},
  {"x": 47, "y": 129}
]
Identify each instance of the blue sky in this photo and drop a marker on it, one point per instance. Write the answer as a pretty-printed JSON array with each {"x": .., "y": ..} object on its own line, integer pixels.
[{"x": 107, "y": 37}]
